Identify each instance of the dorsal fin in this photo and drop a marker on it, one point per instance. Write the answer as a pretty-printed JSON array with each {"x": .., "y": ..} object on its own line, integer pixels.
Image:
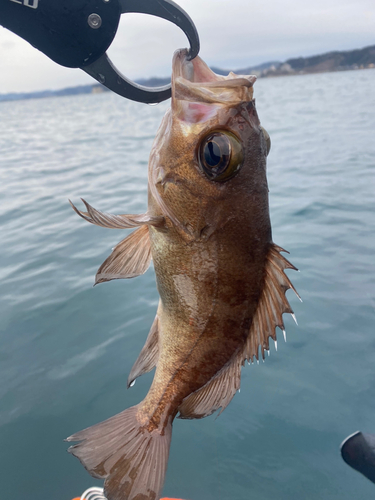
[
  {"x": 219, "y": 391},
  {"x": 116, "y": 221},
  {"x": 149, "y": 354},
  {"x": 130, "y": 258},
  {"x": 272, "y": 304}
]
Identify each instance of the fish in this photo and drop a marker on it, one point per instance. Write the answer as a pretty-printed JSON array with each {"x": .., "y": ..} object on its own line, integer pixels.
[{"x": 220, "y": 278}]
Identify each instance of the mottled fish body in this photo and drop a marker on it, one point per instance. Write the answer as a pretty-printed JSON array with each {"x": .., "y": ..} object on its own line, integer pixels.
[{"x": 220, "y": 278}]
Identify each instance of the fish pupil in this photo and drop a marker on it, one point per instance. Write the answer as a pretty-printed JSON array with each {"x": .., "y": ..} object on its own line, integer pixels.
[
  {"x": 212, "y": 154},
  {"x": 216, "y": 154}
]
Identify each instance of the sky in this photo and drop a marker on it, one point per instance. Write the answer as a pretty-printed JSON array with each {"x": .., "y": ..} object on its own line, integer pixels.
[{"x": 234, "y": 34}]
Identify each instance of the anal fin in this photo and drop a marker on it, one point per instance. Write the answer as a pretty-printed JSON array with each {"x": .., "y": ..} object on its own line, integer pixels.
[{"x": 149, "y": 354}]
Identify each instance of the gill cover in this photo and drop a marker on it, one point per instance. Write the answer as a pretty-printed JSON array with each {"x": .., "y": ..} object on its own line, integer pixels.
[{"x": 267, "y": 138}]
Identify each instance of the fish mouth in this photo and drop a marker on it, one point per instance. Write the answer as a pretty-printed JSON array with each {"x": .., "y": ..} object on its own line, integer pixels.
[{"x": 193, "y": 80}]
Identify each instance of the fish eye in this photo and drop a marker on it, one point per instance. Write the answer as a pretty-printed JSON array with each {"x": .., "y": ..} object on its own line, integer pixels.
[
  {"x": 220, "y": 155},
  {"x": 267, "y": 137}
]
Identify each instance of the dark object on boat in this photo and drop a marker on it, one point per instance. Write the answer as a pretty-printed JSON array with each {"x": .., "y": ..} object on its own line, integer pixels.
[
  {"x": 77, "y": 33},
  {"x": 358, "y": 451}
]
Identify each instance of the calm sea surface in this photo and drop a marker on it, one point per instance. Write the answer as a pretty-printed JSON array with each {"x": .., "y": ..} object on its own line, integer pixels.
[{"x": 66, "y": 348}]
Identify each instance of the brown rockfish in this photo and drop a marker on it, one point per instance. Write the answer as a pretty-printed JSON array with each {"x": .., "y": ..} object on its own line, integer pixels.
[{"x": 220, "y": 277}]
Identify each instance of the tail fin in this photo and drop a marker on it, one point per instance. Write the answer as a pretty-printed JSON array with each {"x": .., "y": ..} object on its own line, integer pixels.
[{"x": 132, "y": 460}]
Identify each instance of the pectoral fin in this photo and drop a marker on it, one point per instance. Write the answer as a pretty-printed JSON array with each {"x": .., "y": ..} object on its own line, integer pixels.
[
  {"x": 130, "y": 258},
  {"x": 116, "y": 221},
  {"x": 219, "y": 391}
]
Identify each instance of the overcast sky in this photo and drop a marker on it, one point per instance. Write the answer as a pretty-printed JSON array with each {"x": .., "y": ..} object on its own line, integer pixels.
[{"x": 234, "y": 34}]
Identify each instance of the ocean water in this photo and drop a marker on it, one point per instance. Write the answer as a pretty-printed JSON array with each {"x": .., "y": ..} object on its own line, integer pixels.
[{"x": 66, "y": 348}]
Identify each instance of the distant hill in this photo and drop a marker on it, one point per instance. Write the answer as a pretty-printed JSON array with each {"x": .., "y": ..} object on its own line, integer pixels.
[
  {"x": 333, "y": 61},
  {"x": 330, "y": 61},
  {"x": 82, "y": 89},
  {"x": 247, "y": 71}
]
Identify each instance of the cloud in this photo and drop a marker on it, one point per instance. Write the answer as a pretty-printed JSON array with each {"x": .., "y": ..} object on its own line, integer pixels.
[{"x": 233, "y": 34}]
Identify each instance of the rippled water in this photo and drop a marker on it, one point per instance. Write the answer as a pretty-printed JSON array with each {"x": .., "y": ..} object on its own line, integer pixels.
[{"x": 66, "y": 348}]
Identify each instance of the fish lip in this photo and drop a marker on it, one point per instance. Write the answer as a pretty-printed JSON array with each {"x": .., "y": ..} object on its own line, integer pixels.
[
  {"x": 192, "y": 70},
  {"x": 194, "y": 81},
  {"x": 197, "y": 73},
  {"x": 179, "y": 63}
]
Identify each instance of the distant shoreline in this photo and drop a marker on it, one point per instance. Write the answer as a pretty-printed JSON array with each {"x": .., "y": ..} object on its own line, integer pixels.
[{"x": 325, "y": 63}]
